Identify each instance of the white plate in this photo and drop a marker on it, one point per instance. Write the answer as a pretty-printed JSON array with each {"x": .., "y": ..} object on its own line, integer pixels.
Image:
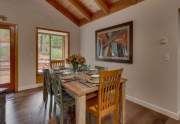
[
  {"x": 92, "y": 69},
  {"x": 67, "y": 73},
  {"x": 95, "y": 76},
  {"x": 67, "y": 77},
  {"x": 93, "y": 81},
  {"x": 56, "y": 68}
]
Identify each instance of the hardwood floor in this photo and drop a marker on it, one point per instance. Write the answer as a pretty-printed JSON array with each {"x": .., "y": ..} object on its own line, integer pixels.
[{"x": 27, "y": 107}]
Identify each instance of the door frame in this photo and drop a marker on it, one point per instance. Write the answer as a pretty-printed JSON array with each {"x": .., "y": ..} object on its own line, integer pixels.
[{"x": 14, "y": 56}]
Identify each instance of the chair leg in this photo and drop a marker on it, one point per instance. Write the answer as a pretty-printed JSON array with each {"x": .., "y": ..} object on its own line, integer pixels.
[
  {"x": 54, "y": 108},
  {"x": 45, "y": 98},
  {"x": 98, "y": 120},
  {"x": 46, "y": 101},
  {"x": 73, "y": 115},
  {"x": 68, "y": 120},
  {"x": 50, "y": 107},
  {"x": 44, "y": 93},
  {"x": 61, "y": 116},
  {"x": 88, "y": 118},
  {"x": 70, "y": 114},
  {"x": 116, "y": 117}
]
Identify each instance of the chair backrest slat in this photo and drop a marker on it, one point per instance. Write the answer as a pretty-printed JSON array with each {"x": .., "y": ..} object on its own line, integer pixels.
[
  {"x": 57, "y": 89},
  {"x": 47, "y": 79},
  {"x": 110, "y": 82}
]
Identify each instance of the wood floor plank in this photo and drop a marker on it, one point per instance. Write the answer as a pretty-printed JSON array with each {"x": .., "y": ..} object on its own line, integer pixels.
[{"x": 27, "y": 107}]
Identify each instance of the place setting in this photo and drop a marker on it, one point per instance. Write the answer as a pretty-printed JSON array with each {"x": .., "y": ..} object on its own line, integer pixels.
[
  {"x": 60, "y": 69},
  {"x": 94, "y": 79},
  {"x": 91, "y": 81},
  {"x": 67, "y": 76}
]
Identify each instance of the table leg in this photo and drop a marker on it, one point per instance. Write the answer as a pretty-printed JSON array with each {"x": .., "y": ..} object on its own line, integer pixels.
[{"x": 80, "y": 109}]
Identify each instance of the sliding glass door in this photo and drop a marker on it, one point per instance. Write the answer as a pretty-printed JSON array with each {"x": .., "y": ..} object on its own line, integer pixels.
[{"x": 7, "y": 56}]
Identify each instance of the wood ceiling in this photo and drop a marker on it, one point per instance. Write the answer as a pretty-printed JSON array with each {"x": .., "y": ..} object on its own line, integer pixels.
[{"x": 84, "y": 11}]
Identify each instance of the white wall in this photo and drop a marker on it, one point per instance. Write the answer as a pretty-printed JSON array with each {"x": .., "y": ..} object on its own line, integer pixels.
[
  {"x": 29, "y": 14},
  {"x": 152, "y": 82}
]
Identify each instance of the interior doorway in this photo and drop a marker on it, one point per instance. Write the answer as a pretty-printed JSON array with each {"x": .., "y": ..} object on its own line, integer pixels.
[{"x": 8, "y": 56}]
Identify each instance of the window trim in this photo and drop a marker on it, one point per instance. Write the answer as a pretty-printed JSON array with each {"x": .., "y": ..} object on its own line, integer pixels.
[{"x": 48, "y": 29}]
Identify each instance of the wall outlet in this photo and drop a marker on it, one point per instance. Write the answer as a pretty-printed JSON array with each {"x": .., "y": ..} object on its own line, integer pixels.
[
  {"x": 164, "y": 41},
  {"x": 166, "y": 57}
]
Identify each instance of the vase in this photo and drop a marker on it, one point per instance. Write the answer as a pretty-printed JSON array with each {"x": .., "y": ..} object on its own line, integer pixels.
[{"x": 75, "y": 67}]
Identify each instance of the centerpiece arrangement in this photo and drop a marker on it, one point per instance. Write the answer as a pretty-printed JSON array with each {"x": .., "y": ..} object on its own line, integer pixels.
[{"x": 75, "y": 60}]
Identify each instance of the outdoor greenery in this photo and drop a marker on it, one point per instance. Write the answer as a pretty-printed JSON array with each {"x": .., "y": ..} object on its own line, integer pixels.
[
  {"x": 56, "y": 47},
  {"x": 4, "y": 42},
  {"x": 4, "y": 35},
  {"x": 56, "y": 54},
  {"x": 56, "y": 42},
  {"x": 4, "y": 52}
]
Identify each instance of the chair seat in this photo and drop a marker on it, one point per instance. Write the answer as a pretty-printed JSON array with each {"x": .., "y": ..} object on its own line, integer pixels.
[
  {"x": 67, "y": 100},
  {"x": 92, "y": 107}
]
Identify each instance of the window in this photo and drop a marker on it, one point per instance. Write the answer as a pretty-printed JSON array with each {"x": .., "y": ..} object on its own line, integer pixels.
[{"x": 52, "y": 45}]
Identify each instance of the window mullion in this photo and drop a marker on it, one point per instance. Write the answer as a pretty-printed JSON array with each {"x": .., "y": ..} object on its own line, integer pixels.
[
  {"x": 64, "y": 47},
  {"x": 50, "y": 47}
]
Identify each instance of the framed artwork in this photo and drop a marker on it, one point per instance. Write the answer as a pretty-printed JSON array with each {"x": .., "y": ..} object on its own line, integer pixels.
[{"x": 115, "y": 44}]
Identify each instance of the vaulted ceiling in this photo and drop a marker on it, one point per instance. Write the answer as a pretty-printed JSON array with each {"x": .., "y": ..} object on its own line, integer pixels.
[{"x": 84, "y": 11}]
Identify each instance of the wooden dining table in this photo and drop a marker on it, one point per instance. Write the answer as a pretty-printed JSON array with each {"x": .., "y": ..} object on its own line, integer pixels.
[{"x": 80, "y": 91}]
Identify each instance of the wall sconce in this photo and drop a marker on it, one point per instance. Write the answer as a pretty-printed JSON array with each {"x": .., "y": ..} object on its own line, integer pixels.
[{"x": 3, "y": 18}]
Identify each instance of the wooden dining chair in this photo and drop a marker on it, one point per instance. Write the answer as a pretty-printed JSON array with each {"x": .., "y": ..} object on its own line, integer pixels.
[
  {"x": 107, "y": 101},
  {"x": 61, "y": 98},
  {"x": 57, "y": 63},
  {"x": 47, "y": 89}
]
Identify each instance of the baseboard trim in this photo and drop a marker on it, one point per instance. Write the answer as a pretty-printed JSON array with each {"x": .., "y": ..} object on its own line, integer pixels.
[
  {"x": 27, "y": 87},
  {"x": 156, "y": 108}
]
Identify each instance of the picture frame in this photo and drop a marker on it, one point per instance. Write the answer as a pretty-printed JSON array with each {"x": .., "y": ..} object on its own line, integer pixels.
[{"x": 115, "y": 43}]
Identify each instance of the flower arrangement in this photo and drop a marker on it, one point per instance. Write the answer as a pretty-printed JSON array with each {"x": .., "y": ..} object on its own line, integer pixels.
[{"x": 75, "y": 60}]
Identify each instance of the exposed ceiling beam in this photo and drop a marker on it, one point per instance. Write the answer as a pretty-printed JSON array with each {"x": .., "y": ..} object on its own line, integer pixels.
[
  {"x": 140, "y": 0},
  {"x": 114, "y": 8},
  {"x": 88, "y": 15},
  {"x": 64, "y": 11},
  {"x": 103, "y": 6},
  {"x": 123, "y": 4},
  {"x": 81, "y": 8}
]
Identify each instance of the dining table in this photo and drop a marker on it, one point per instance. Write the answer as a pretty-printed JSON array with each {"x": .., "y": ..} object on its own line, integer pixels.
[{"x": 81, "y": 89}]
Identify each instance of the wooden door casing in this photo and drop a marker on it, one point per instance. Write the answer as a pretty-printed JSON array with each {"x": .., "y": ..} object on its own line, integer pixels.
[{"x": 13, "y": 84}]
